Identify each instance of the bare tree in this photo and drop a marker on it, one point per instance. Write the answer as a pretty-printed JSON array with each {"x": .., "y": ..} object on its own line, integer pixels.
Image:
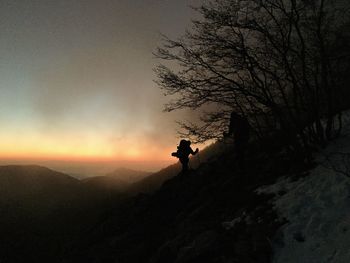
[{"x": 281, "y": 63}]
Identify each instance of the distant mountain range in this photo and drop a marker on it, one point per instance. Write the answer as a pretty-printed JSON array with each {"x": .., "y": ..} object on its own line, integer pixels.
[
  {"x": 35, "y": 183},
  {"x": 118, "y": 180}
]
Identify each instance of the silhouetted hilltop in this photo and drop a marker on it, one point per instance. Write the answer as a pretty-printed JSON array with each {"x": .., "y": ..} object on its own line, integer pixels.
[
  {"x": 35, "y": 188},
  {"x": 155, "y": 180},
  {"x": 128, "y": 175},
  {"x": 42, "y": 211},
  {"x": 32, "y": 179},
  {"x": 119, "y": 180}
]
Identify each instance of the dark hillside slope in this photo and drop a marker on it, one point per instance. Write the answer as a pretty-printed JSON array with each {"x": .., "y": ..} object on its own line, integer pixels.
[
  {"x": 41, "y": 210},
  {"x": 119, "y": 180},
  {"x": 154, "y": 181},
  {"x": 210, "y": 215},
  {"x": 31, "y": 178},
  {"x": 34, "y": 187}
]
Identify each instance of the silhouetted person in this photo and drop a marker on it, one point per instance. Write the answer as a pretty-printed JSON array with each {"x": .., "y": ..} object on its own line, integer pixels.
[
  {"x": 239, "y": 128},
  {"x": 183, "y": 151}
]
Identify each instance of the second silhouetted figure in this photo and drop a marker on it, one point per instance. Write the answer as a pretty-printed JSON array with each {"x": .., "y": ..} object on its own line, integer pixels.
[
  {"x": 239, "y": 127},
  {"x": 183, "y": 151}
]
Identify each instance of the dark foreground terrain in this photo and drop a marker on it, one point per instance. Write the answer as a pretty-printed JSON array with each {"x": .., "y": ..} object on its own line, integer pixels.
[{"x": 212, "y": 214}]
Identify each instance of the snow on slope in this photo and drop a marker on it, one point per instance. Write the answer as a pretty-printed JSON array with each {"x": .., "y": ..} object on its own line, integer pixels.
[{"x": 317, "y": 208}]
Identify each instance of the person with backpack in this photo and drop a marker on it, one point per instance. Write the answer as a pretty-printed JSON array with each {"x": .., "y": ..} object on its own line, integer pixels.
[{"x": 183, "y": 151}]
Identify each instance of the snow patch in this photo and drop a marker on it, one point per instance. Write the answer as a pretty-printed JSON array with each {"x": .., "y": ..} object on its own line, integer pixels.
[{"x": 317, "y": 208}]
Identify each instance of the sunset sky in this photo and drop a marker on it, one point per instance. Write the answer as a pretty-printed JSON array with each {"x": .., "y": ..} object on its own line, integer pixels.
[{"x": 76, "y": 79}]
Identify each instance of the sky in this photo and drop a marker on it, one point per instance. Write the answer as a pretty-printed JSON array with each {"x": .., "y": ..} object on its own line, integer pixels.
[{"x": 76, "y": 80}]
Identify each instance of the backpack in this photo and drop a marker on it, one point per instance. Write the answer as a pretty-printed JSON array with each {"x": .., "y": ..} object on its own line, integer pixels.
[{"x": 182, "y": 149}]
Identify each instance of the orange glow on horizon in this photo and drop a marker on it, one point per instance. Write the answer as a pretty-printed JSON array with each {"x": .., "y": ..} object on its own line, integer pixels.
[
  {"x": 80, "y": 149},
  {"x": 164, "y": 156},
  {"x": 92, "y": 159}
]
